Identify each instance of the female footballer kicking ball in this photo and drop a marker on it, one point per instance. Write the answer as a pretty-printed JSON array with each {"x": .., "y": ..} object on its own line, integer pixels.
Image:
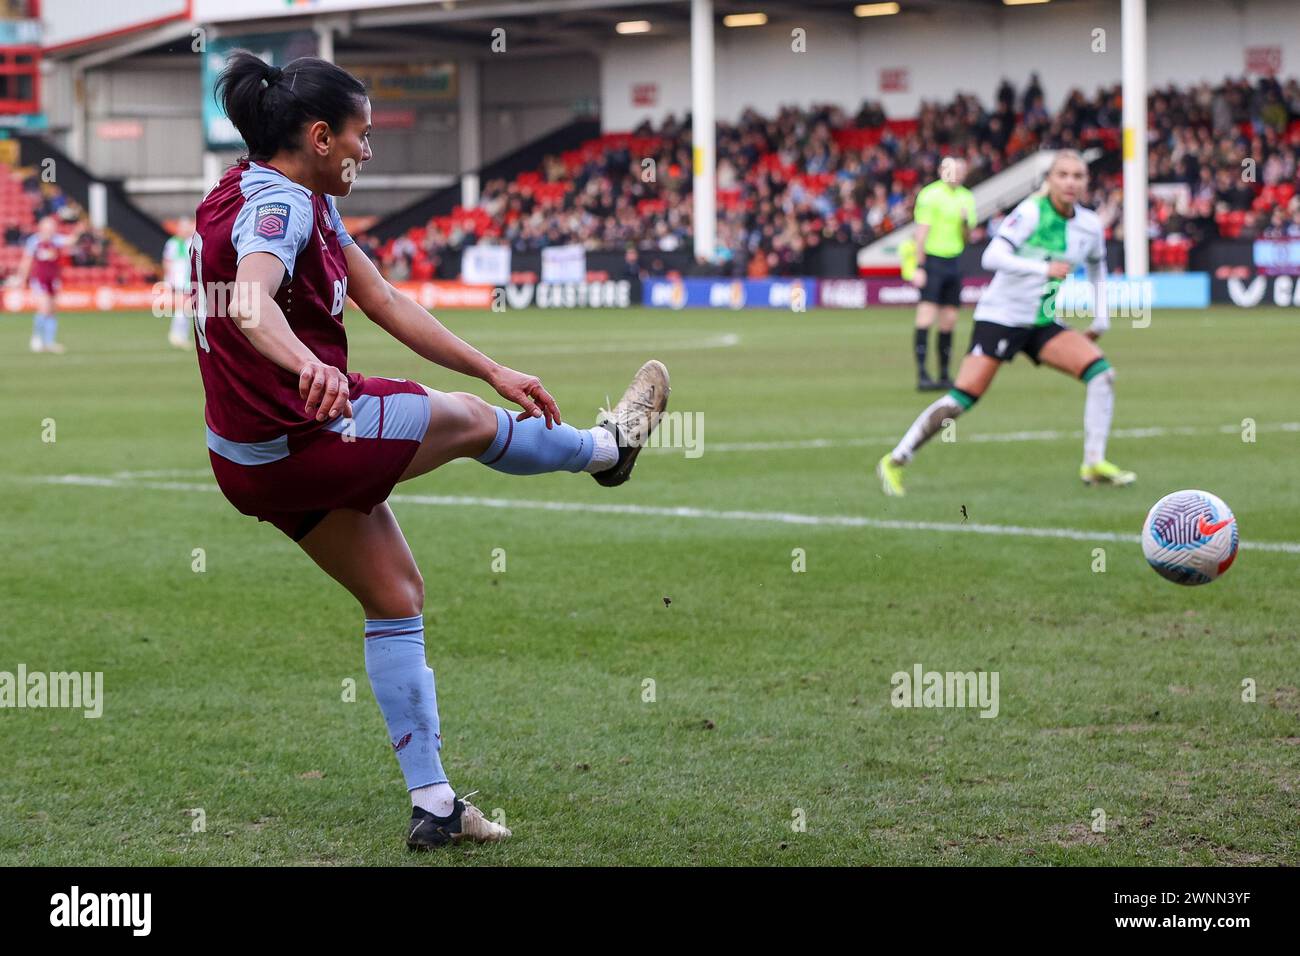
[
  {"x": 1035, "y": 249},
  {"x": 298, "y": 440}
]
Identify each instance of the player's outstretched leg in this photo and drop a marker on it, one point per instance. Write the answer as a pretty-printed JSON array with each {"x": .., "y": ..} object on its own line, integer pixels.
[
  {"x": 947, "y": 322},
  {"x": 461, "y": 425},
  {"x": 925, "y": 313},
  {"x": 1098, "y": 410},
  {"x": 44, "y": 324},
  {"x": 946, "y": 408},
  {"x": 368, "y": 555},
  {"x": 178, "y": 330},
  {"x": 1075, "y": 354},
  {"x": 608, "y": 451},
  {"x": 50, "y": 331},
  {"x": 38, "y": 332},
  {"x": 976, "y": 373}
]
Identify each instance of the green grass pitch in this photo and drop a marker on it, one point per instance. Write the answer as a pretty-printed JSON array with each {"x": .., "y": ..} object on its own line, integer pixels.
[{"x": 770, "y": 738}]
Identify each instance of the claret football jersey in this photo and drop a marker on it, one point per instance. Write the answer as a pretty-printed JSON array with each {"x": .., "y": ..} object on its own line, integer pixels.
[
  {"x": 47, "y": 256},
  {"x": 256, "y": 208}
]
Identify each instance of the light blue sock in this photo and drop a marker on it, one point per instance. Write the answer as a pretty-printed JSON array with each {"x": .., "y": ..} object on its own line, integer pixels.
[
  {"x": 38, "y": 326},
  {"x": 51, "y": 327},
  {"x": 403, "y": 686},
  {"x": 530, "y": 448}
]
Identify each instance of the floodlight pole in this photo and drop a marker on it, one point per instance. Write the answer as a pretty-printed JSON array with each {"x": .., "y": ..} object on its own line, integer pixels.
[
  {"x": 325, "y": 40},
  {"x": 1133, "y": 41},
  {"x": 703, "y": 129},
  {"x": 471, "y": 141}
]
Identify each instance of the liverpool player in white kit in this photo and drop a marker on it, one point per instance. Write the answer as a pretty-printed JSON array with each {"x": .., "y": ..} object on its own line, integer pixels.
[
  {"x": 1038, "y": 246},
  {"x": 176, "y": 273}
]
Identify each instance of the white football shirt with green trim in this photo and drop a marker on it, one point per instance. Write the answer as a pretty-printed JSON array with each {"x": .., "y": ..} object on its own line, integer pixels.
[
  {"x": 1036, "y": 231},
  {"x": 176, "y": 261}
]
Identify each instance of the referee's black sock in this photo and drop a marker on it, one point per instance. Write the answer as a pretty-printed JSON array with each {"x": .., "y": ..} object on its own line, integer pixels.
[
  {"x": 922, "y": 345},
  {"x": 945, "y": 352}
]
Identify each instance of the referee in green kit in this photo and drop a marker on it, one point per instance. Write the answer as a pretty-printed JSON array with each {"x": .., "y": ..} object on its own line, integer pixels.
[{"x": 944, "y": 215}]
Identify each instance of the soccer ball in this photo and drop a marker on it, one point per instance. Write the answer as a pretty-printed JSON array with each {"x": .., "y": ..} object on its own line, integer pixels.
[{"x": 1190, "y": 537}]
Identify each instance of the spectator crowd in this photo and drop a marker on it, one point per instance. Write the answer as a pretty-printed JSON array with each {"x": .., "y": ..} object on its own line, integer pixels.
[
  {"x": 91, "y": 257},
  {"x": 1223, "y": 164}
]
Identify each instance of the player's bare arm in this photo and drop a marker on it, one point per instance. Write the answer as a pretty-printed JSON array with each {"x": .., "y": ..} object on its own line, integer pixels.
[
  {"x": 323, "y": 387},
  {"x": 407, "y": 321},
  {"x": 918, "y": 277}
]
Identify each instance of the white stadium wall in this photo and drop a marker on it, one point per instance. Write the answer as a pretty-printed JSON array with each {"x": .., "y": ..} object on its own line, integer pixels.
[
  {"x": 78, "y": 21},
  {"x": 156, "y": 99},
  {"x": 143, "y": 122},
  {"x": 217, "y": 11},
  {"x": 1187, "y": 42},
  {"x": 528, "y": 97}
]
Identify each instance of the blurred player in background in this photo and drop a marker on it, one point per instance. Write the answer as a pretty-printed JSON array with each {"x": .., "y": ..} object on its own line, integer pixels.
[
  {"x": 176, "y": 273},
  {"x": 1041, "y": 243},
  {"x": 40, "y": 269},
  {"x": 297, "y": 440},
  {"x": 944, "y": 215}
]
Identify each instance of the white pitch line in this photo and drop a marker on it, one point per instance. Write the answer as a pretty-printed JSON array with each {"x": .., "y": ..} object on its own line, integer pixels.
[
  {"x": 984, "y": 437},
  {"x": 813, "y": 444},
  {"x": 708, "y": 514},
  {"x": 151, "y": 356},
  {"x": 163, "y": 473},
  {"x": 120, "y": 357},
  {"x": 727, "y": 341}
]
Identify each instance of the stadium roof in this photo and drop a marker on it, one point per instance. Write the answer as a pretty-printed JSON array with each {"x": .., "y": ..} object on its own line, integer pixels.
[
  {"x": 555, "y": 25},
  {"x": 459, "y": 27}
]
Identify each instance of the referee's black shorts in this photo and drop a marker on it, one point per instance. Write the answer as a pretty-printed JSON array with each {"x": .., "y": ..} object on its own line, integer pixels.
[{"x": 942, "y": 281}]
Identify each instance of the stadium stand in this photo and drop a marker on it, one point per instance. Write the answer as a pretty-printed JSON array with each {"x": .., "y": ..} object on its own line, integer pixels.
[
  {"x": 804, "y": 177},
  {"x": 791, "y": 182},
  {"x": 95, "y": 259}
]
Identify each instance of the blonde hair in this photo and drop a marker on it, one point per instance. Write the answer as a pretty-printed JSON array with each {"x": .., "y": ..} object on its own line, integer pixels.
[
  {"x": 1062, "y": 154},
  {"x": 1059, "y": 156}
]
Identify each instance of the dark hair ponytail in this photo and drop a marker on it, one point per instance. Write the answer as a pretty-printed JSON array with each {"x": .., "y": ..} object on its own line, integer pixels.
[{"x": 269, "y": 105}]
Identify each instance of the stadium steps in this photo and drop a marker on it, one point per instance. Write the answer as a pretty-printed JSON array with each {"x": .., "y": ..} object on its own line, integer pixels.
[
  {"x": 527, "y": 158},
  {"x": 18, "y": 208},
  {"x": 136, "y": 232}
]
